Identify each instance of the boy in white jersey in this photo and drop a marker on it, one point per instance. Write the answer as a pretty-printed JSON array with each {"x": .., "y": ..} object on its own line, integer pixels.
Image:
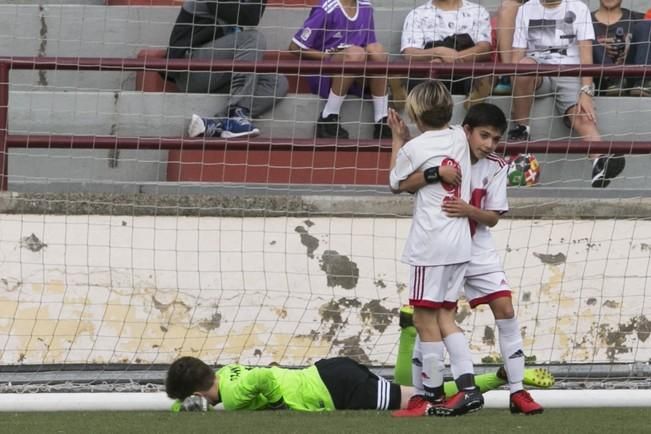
[
  {"x": 437, "y": 248},
  {"x": 485, "y": 281}
]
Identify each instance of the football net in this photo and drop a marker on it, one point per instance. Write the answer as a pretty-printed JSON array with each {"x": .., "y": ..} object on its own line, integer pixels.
[{"x": 275, "y": 251}]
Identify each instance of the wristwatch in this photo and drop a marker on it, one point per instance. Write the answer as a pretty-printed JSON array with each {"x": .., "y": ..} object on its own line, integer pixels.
[{"x": 588, "y": 89}]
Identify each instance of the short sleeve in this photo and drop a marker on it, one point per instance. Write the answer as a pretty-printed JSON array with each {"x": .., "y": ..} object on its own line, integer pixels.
[
  {"x": 412, "y": 35},
  {"x": 311, "y": 35},
  {"x": 401, "y": 170},
  {"x": 521, "y": 29},
  {"x": 584, "y": 26},
  {"x": 496, "y": 198},
  {"x": 483, "y": 27}
]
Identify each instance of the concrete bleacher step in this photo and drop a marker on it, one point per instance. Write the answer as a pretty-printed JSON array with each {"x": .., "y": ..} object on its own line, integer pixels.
[
  {"x": 103, "y": 31},
  {"x": 158, "y": 114}
]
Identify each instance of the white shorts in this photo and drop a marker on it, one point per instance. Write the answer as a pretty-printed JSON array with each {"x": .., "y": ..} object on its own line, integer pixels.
[
  {"x": 484, "y": 288},
  {"x": 436, "y": 287}
]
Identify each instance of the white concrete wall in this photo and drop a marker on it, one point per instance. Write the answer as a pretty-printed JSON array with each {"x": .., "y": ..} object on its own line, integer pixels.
[{"x": 148, "y": 289}]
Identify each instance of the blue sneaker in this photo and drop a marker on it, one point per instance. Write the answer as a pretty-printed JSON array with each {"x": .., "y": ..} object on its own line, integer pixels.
[
  {"x": 238, "y": 124},
  {"x": 503, "y": 86},
  {"x": 206, "y": 127}
]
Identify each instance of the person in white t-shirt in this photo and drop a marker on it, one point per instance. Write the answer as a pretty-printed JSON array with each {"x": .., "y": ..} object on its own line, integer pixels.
[
  {"x": 449, "y": 31},
  {"x": 558, "y": 32},
  {"x": 485, "y": 280},
  {"x": 437, "y": 247}
]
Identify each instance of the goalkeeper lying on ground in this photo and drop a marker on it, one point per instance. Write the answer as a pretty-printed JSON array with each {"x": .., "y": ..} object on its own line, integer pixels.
[{"x": 330, "y": 384}]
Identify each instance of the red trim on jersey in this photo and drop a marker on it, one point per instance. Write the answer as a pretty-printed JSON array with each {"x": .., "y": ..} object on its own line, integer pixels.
[
  {"x": 488, "y": 298},
  {"x": 426, "y": 304},
  {"x": 496, "y": 158}
]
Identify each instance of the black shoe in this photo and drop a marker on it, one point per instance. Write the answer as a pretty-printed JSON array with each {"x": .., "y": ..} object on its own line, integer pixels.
[
  {"x": 605, "y": 168},
  {"x": 462, "y": 402},
  {"x": 519, "y": 133},
  {"x": 329, "y": 128},
  {"x": 381, "y": 129}
]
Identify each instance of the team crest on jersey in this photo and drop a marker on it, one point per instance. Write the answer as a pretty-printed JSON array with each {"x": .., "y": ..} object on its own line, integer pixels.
[
  {"x": 484, "y": 181},
  {"x": 305, "y": 35}
]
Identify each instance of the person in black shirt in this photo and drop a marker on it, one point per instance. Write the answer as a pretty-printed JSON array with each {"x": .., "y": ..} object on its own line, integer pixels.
[
  {"x": 622, "y": 37},
  {"x": 224, "y": 30}
]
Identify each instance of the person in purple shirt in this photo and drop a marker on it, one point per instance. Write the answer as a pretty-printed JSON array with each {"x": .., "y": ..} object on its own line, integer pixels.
[{"x": 337, "y": 32}]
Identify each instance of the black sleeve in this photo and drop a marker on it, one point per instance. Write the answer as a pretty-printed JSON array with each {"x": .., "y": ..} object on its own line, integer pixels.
[{"x": 239, "y": 12}]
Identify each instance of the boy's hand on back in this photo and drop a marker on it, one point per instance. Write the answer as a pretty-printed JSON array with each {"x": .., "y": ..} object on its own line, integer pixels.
[
  {"x": 399, "y": 130},
  {"x": 450, "y": 175},
  {"x": 457, "y": 208}
]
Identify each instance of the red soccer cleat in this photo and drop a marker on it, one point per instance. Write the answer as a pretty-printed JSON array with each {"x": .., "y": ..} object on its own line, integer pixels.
[
  {"x": 417, "y": 406},
  {"x": 459, "y": 404},
  {"x": 522, "y": 402}
]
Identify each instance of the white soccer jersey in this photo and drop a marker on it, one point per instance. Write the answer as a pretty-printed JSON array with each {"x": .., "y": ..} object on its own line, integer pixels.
[
  {"x": 488, "y": 192},
  {"x": 427, "y": 23},
  {"x": 434, "y": 238},
  {"x": 550, "y": 35}
]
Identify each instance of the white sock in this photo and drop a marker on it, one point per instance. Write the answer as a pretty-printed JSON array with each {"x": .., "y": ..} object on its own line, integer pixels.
[
  {"x": 511, "y": 347},
  {"x": 460, "y": 356},
  {"x": 333, "y": 104},
  {"x": 417, "y": 367},
  {"x": 380, "y": 107},
  {"x": 432, "y": 375}
]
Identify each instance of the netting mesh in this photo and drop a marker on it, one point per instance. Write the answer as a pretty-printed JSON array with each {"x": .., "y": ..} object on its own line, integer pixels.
[{"x": 298, "y": 258}]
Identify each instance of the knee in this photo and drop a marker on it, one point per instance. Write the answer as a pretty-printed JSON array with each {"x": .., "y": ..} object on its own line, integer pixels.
[
  {"x": 504, "y": 312},
  {"x": 376, "y": 53},
  {"x": 354, "y": 54},
  {"x": 252, "y": 39},
  {"x": 282, "y": 86}
]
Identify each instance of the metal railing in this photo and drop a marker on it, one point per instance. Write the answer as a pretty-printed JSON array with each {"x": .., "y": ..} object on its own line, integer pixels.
[{"x": 298, "y": 66}]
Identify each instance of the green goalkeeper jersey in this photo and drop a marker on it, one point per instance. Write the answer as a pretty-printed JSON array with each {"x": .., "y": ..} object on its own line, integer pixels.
[{"x": 247, "y": 388}]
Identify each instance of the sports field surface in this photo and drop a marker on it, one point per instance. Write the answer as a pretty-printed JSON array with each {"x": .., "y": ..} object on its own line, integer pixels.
[{"x": 554, "y": 421}]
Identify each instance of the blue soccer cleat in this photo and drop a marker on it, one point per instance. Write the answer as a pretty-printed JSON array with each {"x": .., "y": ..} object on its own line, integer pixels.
[
  {"x": 205, "y": 127},
  {"x": 238, "y": 124}
]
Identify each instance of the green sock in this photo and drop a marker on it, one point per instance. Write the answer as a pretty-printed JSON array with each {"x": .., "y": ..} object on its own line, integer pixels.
[
  {"x": 485, "y": 382},
  {"x": 402, "y": 372}
]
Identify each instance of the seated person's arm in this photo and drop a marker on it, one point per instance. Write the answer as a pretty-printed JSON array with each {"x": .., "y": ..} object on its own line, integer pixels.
[
  {"x": 241, "y": 13},
  {"x": 585, "y": 54},
  {"x": 307, "y": 53},
  {"x": 308, "y": 41},
  {"x": 480, "y": 52}
]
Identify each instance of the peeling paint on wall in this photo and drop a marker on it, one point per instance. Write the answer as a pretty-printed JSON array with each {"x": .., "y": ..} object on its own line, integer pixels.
[{"x": 291, "y": 291}]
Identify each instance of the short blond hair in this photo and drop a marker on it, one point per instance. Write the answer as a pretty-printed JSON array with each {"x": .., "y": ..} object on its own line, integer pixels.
[{"x": 430, "y": 103}]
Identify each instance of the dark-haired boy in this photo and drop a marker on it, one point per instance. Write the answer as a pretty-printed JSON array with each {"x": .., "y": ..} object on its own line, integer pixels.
[
  {"x": 330, "y": 384},
  {"x": 485, "y": 280}
]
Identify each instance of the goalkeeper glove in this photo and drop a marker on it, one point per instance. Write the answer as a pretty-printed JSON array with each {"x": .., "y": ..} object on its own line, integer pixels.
[{"x": 194, "y": 403}]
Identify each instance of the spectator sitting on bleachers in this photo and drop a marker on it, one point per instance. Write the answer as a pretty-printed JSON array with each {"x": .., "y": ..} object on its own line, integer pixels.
[
  {"x": 622, "y": 38},
  {"x": 448, "y": 31},
  {"x": 558, "y": 32},
  {"x": 212, "y": 30},
  {"x": 337, "y": 32}
]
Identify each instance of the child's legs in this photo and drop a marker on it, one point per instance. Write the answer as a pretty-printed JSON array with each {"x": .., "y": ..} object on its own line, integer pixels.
[
  {"x": 407, "y": 355},
  {"x": 428, "y": 294},
  {"x": 524, "y": 89},
  {"x": 506, "y": 28},
  {"x": 340, "y": 83},
  {"x": 377, "y": 84}
]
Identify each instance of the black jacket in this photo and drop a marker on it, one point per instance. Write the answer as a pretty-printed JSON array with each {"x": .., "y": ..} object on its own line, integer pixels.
[{"x": 200, "y": 22}]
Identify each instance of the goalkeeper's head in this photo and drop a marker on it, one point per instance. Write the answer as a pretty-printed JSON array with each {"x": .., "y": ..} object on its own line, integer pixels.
[{"x": 189, "y": 376}]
